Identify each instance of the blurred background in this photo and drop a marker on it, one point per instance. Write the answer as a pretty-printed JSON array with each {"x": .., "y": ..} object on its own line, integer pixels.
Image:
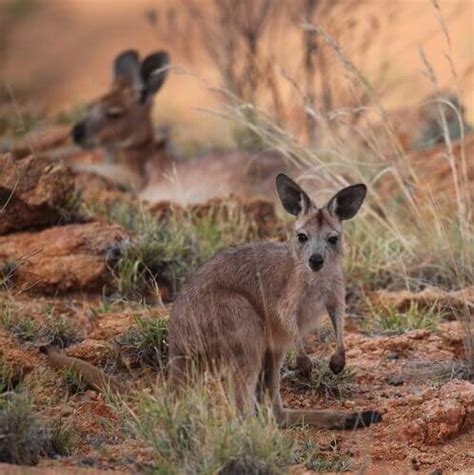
[{"x": 56, "y": 55}]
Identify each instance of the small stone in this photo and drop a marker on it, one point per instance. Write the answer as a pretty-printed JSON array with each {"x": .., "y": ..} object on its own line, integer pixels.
[
  {"x": 395, "y": 380},
  {"x": 415, "y": 463}
]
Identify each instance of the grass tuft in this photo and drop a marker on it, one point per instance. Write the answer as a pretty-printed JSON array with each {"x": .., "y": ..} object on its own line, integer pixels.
[
  {"x": 25, "y": 329},
  {"x": 75, "y": 384},
  {"x": 147, "y": 342},
  {"x": 8, "y": 270},
  {"x": 166, "y": 248},
  {"x": 201, "y": 433},
  {"x": 323, "y": 381},
  {"x": 391, "y": 321},
  {"x": 55, "y": 329},
  {"x": 22, "y": 438},
  {"x": 6, "y": 377},
  {"x": 308, "y": 453}
]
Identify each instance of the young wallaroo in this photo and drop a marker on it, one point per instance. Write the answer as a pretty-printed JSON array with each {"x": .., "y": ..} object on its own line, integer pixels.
[
  {"x": 243, "y": 309},
  {"x": 120, "y": 121}
]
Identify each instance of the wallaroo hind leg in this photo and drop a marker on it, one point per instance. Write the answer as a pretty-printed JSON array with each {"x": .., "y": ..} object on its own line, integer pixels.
[
  {"x": 303, "y": 362},
  {"x": 318, "y": 418},
  {"x": 232, "y": 341},
  {"x": 182, "y": 373}
]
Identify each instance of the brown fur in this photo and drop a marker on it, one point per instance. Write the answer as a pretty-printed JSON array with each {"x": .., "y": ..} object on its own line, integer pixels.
[{"x": 242, "y": 310}]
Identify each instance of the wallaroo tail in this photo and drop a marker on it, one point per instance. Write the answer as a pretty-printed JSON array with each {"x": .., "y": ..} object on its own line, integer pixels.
[{"x": 243, "y": 310}]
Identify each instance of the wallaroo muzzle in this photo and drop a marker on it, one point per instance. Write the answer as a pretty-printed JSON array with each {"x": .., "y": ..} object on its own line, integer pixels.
[
  {"x": 78, "y": 133},
  {"x": 316, "y": 262}
]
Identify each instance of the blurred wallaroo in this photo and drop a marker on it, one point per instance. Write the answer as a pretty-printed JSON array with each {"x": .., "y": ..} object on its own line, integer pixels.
[
  {"x": 243, "y": 309},
  {"x": 120, "y": 121}
]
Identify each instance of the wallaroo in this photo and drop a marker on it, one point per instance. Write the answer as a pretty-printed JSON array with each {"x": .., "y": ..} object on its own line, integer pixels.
[
  {"x": 120, "y": 121},
  {"x": 243, "y": 309}
]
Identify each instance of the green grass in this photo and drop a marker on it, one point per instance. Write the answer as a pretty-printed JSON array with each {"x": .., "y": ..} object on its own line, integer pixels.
[
  {"x": 74, "y": 382},
  {"x": 146, "y": 342},
  {"x": 201, "y": 434},
  {"x": 323, "y": 381},
  {"x": 24, "y": 328},
  {"x": 24, "y": 437},
  {"x": 6, "y": 381},
  {"x": 308, "y": 453},
  {"x": 164, "y": 250},
  {"x": 58, "y": 330},
  {"x": 8, "y": 270},
  {"x": 391, "y": 321},
  {"x": 54, "y": 329}
]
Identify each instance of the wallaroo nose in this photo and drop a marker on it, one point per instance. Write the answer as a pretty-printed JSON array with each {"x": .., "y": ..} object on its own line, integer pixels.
[
  {"x": 78, "y": 132},
  {"x": 316, "y": 262}
]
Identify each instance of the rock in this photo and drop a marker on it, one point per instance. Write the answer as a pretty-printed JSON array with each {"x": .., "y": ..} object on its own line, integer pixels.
[
  {"x": 61, "y": 259},
  {"x": 443, "y": 415},
  {"x": 395, "y": 380},
  {"x": 33, "y": 192}
]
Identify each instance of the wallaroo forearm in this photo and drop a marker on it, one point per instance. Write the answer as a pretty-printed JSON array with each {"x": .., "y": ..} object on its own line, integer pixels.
[
  {"x": 247, "y": 306},
  {"x": 338, "y": 359}
]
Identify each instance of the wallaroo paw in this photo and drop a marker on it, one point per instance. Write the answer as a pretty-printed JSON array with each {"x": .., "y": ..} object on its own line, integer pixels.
[
  {"x": 362, "y": 419},
  {"x": 337, "y": 363},
  {"x": 304, "y": 365}
]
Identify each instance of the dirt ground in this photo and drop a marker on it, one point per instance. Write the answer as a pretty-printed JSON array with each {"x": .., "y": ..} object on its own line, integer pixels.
[{"x": 428, "y": 417}]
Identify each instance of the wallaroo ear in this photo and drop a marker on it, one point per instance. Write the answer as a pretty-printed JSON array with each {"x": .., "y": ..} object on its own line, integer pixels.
[
  {"x": 127, "y": 66},
  {"x": 292, "y": 197},
  {"x": 347, "y": 202},
  {"x": 154, "y": 70}
]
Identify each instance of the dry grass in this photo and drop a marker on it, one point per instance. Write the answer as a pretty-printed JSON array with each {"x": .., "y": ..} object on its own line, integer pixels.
[{"x": 410, "y": 234}]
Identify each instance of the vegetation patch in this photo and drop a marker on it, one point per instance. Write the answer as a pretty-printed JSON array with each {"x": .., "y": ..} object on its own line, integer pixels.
[
  {"x": 167, "y": 247},
  {"x": 24, "y": 328},
  {"x": 54, "y": 329},
  {"x": 74, "y": 382},
  {"x": 322, "y": 380},
  {"x": 23, "y": 437},
  {"x": 8, "y": 270},
  {"x": 146, "y": 343},
  {"x": 201, "y": 433},
  {"x": 391, "y": 321},
  {"x": 308, "y": 453}
]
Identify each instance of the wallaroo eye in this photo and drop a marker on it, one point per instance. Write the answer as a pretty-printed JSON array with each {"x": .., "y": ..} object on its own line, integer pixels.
[
  {"x": 302, "y": 237},
  {"x": 333, "y": 239},
  {"x": 114, "y": 112}
]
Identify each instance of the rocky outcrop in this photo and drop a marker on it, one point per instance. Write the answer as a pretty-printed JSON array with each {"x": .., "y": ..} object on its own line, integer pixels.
[
  {"x": 443, "y": 413},
  {"x": 34, "y": 192},
  {"x": 70, "y": 258}
]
